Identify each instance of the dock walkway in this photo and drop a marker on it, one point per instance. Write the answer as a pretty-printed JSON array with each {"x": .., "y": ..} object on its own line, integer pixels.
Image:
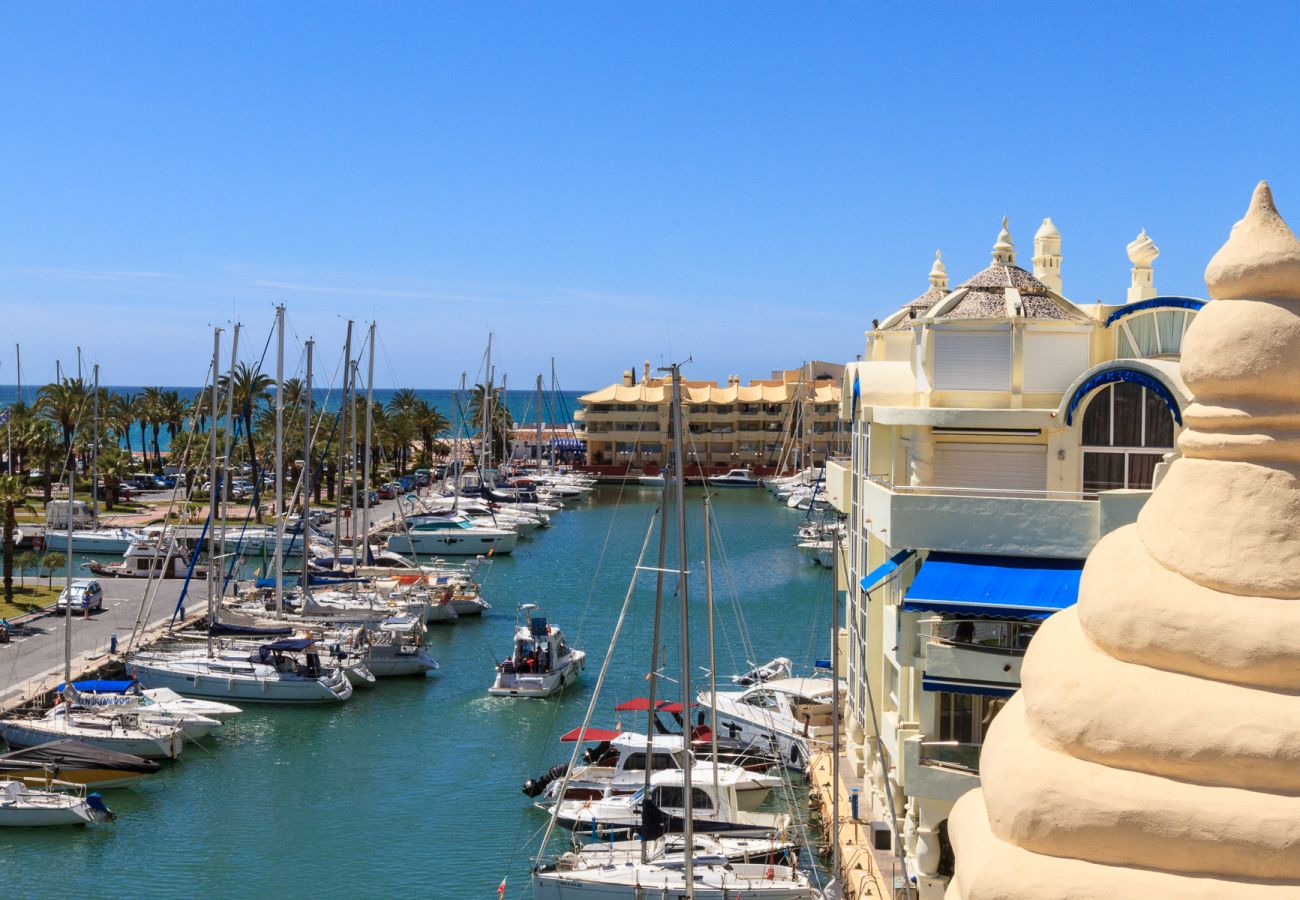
[{"x": 862, "y": 867}]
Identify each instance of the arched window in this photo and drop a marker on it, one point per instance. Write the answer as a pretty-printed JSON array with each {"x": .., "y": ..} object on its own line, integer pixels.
[
  {"x": 1127, "y": 429},
  {"x": 1156, "y": 333}
]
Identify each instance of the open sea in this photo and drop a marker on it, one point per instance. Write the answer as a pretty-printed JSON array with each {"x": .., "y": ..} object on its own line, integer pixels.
[
  {"x": 413, "y": 789},
  {"x": 558, "y": 408}
]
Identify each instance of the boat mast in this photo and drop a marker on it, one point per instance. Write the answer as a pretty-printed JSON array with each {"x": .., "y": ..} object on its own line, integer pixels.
[
  {"x": 304, "y": 523},
  {"x": 343, "y": 430},
  {"x": 230, "y": 437},
  {"x": 683, "y": 584},
  {"x": 713, "y": 666},
  {"x": 67, "y": 586},
  {"x": 457, "y": 468},
  {"x": 835, "y": 709},
  {"x": 352, "y": 455},
  {"x": 485, "y": 453},
  {"x": 365, "y": 465},
  {"x": 213, "y": 561},
  {"x": 94, "y": 455},
  {"x": 539, "y": 423},
  {"x": 279, "y": 459}
]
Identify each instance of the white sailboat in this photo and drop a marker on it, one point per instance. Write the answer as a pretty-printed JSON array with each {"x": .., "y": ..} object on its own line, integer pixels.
[{"x": 124, "y": 732}]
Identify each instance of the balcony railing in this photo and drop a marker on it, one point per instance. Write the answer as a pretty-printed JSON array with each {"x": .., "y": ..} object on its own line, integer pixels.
[
  {"x": 932, "y": 490},
  {"x": 951, "y": 755},
  {"x": 1011, "y": 638}
]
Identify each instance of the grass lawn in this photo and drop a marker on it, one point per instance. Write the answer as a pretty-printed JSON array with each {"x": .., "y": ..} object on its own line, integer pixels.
[{"x": 27, "y": 598}]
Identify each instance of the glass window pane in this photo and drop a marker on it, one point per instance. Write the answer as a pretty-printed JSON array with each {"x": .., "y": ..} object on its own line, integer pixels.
[
  {"x": 1143, "y": 329},
  {"x": 1170, "y": 325},
  {"x": 1128, "y": 414},
  {"x": 1125, "y": 345},
  {"x": 1096, "y": 420},
  {"x": 1142, "y": 469},
  {"x": 1103, "y": 471},
  {"x": 1160, "y": 422}
]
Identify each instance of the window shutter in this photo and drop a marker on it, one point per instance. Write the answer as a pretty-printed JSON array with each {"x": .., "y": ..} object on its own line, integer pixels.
[{"x": 972, "y": 360}]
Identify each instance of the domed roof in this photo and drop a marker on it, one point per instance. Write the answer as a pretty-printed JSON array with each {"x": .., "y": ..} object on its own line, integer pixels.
[{"x": 985, "y": 294}]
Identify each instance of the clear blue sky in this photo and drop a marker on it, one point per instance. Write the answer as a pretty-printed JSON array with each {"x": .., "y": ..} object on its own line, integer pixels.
[{"x": 748, "y": 183}]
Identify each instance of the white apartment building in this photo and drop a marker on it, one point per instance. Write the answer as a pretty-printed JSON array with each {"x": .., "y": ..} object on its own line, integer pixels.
[{"x": 998, "y": 431}]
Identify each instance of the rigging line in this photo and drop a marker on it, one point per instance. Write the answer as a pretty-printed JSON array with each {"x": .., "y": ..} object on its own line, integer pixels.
[{"x": 600, "y": 682}]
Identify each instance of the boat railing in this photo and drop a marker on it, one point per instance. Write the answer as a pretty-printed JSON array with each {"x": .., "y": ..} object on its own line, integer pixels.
[
  {"x": 1010, "y": 638},
  {"x": 954, "y": 755}
]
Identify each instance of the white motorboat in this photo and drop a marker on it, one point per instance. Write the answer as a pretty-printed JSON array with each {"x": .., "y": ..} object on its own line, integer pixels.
[
  {"x": 391, "y": 650},
  {"x": 128, "y": 694},
  {"x": 22, "y": 806},
  {"x": 288, "y": 671},
  {"x": 147, "y": 558},
  {"x": 794, "y": 716},
  {"x": 621, "y": 771},
  {"x": 105, "y": 540},
  {"x": 734, "y": 478},
  {"x": 651, "y": 481},
  {"x": 124, "y": 732},
  {"x": 542, "y": 662},
  {"x": 623, "y": 816},
  {"x": 447, "y": 536}
]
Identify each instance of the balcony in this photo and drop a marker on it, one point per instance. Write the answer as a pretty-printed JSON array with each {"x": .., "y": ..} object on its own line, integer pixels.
[
  {"x": 939, "y": 770},
  {"x": 989, "y": 521},
  {"x": 975, "y": 651}
]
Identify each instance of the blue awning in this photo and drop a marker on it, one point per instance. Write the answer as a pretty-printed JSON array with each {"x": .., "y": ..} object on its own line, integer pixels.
[
  {"x": 888, "y": 567},
  {"x": 1004, "y": 587},
  {"x": 965, "y": 687}
]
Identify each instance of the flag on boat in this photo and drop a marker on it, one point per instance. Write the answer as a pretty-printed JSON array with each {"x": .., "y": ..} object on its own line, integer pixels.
[{"x": 501, "y": 891}]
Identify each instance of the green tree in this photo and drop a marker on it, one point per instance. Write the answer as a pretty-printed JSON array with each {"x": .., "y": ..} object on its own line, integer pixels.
[
  {"x": 252, "y": 391},
  {"x": 62, "y": 403},
  {"x": 50, "y": 563},
  {"x": 12, "y": 494},
  {"x": 24, "y": 561},
  {"x": 114, "y": 466}
]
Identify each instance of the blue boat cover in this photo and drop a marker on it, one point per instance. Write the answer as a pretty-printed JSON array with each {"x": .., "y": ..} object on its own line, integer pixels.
[
  {"x": 1004, "y": 587},
  {"x": 100, "y": 687},
  {"x": 888, "y": 567},
  {"x": 294, "y": 644}
]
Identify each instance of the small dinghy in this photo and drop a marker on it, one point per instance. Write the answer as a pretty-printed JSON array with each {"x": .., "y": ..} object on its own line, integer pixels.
[
  {"x": 542, "y": 663},
  {"x": 769, "y": 671},
  {"x": 24, "y": 807}
]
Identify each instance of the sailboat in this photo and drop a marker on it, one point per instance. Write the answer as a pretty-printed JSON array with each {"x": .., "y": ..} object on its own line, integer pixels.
[{"x": 688, "y": 875}]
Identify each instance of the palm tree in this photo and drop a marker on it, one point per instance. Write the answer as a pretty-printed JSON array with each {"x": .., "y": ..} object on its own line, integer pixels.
[
  {"x": 501, "y": 419},
  {"x": 118, "y": 417},
  {"x": 62, "y": 403},
  {"x": 140, "y": 411},
  {"x": 252, "y": 390},
  {"x": 39, "y": 441},
  {"x": 430, "y": 423},
  {"x": 114, "y": 465},
  {"x": 12, "y": 493}
]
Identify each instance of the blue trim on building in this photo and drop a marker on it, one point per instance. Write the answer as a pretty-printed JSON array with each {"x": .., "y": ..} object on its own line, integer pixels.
[
  {"x": 888, "y": 567},
  {"x": 1154, "y": 303},
  {"x": 960, "y": 687},
  {"x": 1114, "y": 376}
]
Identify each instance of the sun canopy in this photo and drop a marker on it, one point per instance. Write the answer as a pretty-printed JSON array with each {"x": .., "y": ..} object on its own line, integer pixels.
[
  {"x": 291, "y": 645},
  {"x": 888, "y": 567},
  {"x": 1004, "y": 587},
  {"x": 591, "y": 734},
  {"x": 642, "y": 704}
]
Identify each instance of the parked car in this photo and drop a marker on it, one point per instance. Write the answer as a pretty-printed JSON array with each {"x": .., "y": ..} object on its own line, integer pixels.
[
  {"x": 84, "y": 594},
  {"x": 388, "y": 491}
]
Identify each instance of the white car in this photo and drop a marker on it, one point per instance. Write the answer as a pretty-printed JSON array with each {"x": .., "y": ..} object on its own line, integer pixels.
[{"x": 85, "y": 595}]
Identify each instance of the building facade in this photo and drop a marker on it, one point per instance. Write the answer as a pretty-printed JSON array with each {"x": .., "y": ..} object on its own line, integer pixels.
[
  {"x": 997, "y": 432},
  {"x": 785, "y": 422}
]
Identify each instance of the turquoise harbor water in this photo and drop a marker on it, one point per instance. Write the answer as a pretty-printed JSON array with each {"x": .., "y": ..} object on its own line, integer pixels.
[{"x": 413, "y": 789}]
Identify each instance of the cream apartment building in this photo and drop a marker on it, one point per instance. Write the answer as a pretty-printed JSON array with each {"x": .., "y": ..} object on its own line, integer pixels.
[
  {"x": 787, "y": 421},
  {"x": 998, "y": 431}
]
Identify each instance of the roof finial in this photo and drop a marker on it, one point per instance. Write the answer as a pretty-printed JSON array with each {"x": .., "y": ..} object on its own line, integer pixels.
[
  {"x": 939, "y": 273},
  {"x": 1261, "y": 257},
  {"x": 1142, "y": 252},
  {"x": 1004, "y": 251}
]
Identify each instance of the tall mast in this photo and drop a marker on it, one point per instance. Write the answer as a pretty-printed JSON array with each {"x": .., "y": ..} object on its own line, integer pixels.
[
  {"x": 67, "y": 585},
  {"x": 539, "y": 422},
  {"x": 365, "y": 466},
  {"x": 352, "y": 454},
  {"x": 835, "y": 711},
  {"x": 654, "y": 651},
  {"x": 226, "y": 448},
  {"x": 484, "y": 452},
  {"x": 713, "y": 665},
  {"x": 457, "y": 469},
  {"x": 279, "y": 459},
  {"x": 94, "y": 454},
  {"x": 683, "y": 588},
  {"x": 304, "y": 524},
  {"x": 18, "y": 358},
  {"x": 213, "y": 560},
  {"x": 342, "y": 442}
]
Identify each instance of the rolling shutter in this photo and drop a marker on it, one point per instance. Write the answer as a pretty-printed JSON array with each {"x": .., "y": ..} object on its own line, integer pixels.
[
  {"x": 1054, "y": 359},
  {"x": 1014, "y": 467},
  {"x": 972, "y": 360}
]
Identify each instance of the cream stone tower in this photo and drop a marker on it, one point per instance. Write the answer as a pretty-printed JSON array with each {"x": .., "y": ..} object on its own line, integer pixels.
[
  {"x": 1047, "y": 255},
  {"x": 1142, "y": 252},
  {"x": 1154, "y": 748}
]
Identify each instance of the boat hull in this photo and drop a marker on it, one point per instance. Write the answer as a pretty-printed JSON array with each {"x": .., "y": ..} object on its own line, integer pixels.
[
  {"x": 296, "y": 692},
  {"x": 24, "y": 734},
  {"x": 536, "y": 686},
  {"x": 451, "y": 544}
]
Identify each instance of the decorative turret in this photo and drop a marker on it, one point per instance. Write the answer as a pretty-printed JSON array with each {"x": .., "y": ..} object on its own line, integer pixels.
[
  {"x": 1004, "y": 252},
  {"x": 938, "y": 274},
  {"x": 1142, "y": 252},
  {"x": 1154, "y": 748},
  {"x": 1047, "y": 255}
]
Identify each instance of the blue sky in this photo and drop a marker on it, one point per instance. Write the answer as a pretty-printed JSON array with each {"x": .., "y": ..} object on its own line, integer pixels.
[{"x": 746, "y": 183}]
